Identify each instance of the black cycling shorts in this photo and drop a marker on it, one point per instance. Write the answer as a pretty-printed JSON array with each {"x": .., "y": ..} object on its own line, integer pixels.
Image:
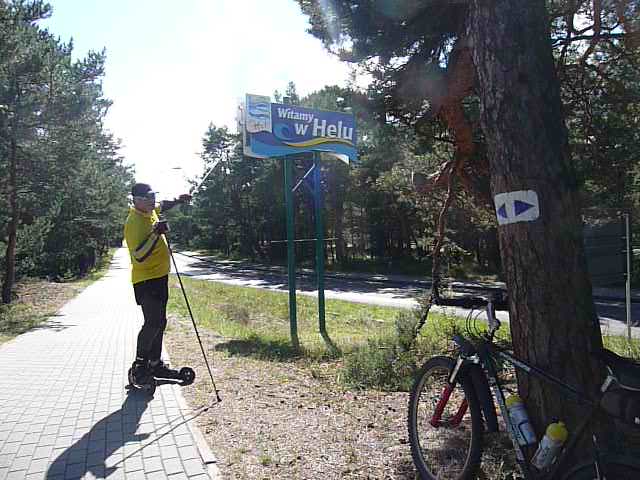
[{"x": 156, "y": 288}]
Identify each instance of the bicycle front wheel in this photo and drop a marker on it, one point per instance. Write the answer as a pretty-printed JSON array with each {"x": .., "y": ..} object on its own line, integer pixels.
[
  {"x": 615, "y": 468},
  {"x": 445, "y": 423}
]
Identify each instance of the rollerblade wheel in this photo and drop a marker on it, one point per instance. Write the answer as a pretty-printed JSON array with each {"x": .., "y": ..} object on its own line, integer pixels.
[{"x": 187, "y": 375}]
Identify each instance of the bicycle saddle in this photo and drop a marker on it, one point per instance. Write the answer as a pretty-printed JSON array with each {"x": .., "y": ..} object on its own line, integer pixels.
[{"x": 626, "y": 371}]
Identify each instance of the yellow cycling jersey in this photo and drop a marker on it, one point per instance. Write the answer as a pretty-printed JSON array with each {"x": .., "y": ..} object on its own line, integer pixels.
[{"x": 148, "y": 250}]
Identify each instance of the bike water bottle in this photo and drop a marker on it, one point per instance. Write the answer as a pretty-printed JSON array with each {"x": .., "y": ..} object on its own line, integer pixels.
[
  {"x": 520, "y": 420},
  {"x": 550, "y": 445}
]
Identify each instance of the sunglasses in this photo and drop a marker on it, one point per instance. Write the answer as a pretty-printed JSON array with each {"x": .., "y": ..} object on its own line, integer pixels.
[{"x": 147, "y": 196}]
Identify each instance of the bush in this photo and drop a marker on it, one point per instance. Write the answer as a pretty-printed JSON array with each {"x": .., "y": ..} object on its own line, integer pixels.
[
  {"x": 380, "y": 364},
  {"x": 390, "y": 362}
]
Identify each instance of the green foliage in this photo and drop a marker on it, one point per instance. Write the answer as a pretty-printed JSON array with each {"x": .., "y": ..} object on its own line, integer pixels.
[
  {"x": 408, "y": 46},
  {"x": 390, "y": 362},
  {"x": 372, "y": 208},
  {"x": 63, "y": 183},
  {"x": 635, "y": 270},
  {"x": 380, "y": 365}
]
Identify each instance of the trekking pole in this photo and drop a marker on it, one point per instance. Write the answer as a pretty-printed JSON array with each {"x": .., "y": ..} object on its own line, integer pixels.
[
  {"x": 195, "y": 327},
  {"x": 197, "y": 188}
]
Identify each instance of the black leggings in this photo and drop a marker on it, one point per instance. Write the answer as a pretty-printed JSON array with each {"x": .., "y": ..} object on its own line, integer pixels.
[{"x": 152, "y": 296}]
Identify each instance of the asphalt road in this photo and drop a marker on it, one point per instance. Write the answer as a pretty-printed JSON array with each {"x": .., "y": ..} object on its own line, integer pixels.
[{"x": 381, "y": 290}]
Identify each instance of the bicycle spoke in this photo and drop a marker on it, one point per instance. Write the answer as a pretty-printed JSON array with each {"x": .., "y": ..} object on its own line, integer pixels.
[{"x": 445, "y": 441}]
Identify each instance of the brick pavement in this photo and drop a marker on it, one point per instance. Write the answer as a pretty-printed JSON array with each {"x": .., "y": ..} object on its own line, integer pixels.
[{"x": 64, "y": 411}]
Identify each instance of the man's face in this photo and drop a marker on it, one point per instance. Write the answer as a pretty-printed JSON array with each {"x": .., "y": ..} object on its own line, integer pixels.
[{"x": 145, "y": 203}]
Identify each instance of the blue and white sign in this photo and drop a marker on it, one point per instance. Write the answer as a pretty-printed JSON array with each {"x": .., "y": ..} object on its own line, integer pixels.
[
  {"x": 514, "y": 207},
  {"x": 258, "y": 114},
  {"x": 274, "y": 130}
]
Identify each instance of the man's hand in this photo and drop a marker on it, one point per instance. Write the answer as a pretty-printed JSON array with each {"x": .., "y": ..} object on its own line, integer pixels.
[
  {"x": 161, "y": 227},
  {"x": 167, "y": 205}
]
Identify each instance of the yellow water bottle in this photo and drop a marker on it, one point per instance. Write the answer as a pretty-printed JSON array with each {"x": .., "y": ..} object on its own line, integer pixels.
[
  {"x": 520, "y": 420},
  {"x": 550, "y": 446}
]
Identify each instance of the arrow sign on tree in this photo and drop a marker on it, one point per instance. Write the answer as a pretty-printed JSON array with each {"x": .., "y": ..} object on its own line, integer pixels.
[{"x": 519, "y": 206}]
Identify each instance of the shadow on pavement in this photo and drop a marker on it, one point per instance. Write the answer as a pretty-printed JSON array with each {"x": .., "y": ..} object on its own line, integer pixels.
[
  {"x": 90, "y": 453},
  {"x": 275, "y": 280},
  {"x": 55, "y": 325}
]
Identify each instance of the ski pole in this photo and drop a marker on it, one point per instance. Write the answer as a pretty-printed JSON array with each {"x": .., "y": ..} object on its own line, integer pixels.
[
  {"x": 197, "y": 188},
  {"x": 195, "y": 327}
]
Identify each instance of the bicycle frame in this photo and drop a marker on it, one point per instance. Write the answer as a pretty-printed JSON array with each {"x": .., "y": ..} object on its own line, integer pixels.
[
  {"x": 486, "y": 353},
  {"x": 492, "y": 351}
]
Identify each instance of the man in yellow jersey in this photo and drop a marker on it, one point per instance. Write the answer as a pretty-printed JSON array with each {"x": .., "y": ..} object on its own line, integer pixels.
[{"x": 150, "y": 265}]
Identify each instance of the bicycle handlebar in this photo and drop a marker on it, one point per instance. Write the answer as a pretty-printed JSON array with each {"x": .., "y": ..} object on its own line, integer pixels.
[{"x": 472, "y": 303}]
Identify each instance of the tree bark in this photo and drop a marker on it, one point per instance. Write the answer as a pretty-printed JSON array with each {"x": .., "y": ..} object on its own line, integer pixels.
[
  {"x": 12, "y": 234},
  {"x": 553, "y": 320}
]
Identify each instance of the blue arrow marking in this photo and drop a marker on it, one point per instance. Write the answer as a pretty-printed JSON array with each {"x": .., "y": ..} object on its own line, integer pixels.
[
  {"x": 521, "y": 207},
  {"x": 502, "y": 211}
]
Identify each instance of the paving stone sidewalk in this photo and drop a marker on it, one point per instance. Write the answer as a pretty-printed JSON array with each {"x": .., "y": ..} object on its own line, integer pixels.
[{"x": 64, "y": 411}]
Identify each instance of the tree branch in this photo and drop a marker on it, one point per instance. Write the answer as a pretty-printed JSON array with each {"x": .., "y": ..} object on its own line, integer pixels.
[
  {"x": 577, "y": 38},
  {"x": 597, "y": 30}
]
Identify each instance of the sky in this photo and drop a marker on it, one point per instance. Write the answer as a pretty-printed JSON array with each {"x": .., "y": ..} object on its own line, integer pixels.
[{"x": 173, "y": 67}]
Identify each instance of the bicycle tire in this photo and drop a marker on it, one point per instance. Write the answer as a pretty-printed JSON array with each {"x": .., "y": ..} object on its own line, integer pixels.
[
  {"x": 456, "y": 457},
  {"x": 616, "y": 468}
]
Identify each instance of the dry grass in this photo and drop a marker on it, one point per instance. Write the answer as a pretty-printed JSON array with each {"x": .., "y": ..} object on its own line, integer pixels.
[
  {"x": 35, "y": 301},
  {"x": 291, "y": 419},
  {"x": 289, "y": 415}
]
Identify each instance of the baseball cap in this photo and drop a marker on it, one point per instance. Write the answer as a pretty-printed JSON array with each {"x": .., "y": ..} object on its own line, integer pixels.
[{"x": 141, "y": 189}]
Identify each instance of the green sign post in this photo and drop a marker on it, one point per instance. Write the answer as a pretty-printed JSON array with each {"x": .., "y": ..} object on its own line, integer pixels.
[
  {"x": 315, "y": 173},
  {"x": 282, "y": 130},
  {"x": 291, "y": 259},
  {"x": 317, "y": 207}
]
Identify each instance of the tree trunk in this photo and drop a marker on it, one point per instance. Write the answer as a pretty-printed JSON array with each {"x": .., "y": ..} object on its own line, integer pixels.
[
  {"x": 553, "y": 320},
  {"x": 12, "y": 234}
]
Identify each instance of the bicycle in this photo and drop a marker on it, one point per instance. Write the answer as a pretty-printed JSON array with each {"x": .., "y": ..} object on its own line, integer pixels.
[{"x": 452, "y": 404}]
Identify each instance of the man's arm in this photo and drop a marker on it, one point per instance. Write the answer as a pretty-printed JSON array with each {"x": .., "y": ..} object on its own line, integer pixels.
[
  {"x": 141, "y": 245},
  {"x": 144, "y": 249},
  {"x": 169, "y": 204}
]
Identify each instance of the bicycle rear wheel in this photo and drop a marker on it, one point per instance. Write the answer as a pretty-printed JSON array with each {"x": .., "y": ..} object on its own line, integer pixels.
[
  {"x": 445, "y": 423},
  {"x": 616, "y": 468}
]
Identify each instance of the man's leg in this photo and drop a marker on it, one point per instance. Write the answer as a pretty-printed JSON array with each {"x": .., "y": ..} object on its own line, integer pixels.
[
  {"x": 155, "y": 352},
  {"x": 155, "y": 321},
  {"x": 152, "y": 296}
]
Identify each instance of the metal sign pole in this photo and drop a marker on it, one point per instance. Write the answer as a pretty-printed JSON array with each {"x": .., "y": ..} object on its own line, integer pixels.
[
  {"x": 334, "y": 131},
  {"x": 317, "y": 204},
  {"x": 291, "y": 259},
  {"x": 628, "y": 283}
]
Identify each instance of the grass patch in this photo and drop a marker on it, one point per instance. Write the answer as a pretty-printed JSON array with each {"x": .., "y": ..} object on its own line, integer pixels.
[
  {"x": 37, "y": 300},
  {"x": 258, "y": 320},
  {"x": 622, "y": 346},
  {"x": 375, "y": 343},
  {"x": 391, "y": 362}
]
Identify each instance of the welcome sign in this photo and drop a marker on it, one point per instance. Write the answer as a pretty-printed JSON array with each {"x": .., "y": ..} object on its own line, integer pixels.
[{"x": 275, "y": 129}]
